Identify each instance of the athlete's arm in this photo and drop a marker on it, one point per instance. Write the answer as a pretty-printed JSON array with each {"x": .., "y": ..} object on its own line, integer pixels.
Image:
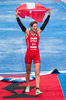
[
  {"x": 21, "y": 25},
  {"x": 44, "y": 24},
  {"x": 24, "y": 29}
]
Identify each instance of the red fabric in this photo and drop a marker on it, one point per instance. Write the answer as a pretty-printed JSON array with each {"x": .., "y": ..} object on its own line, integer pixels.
[
  {"x": 49, "y": 84},
  {"x": 37, "y": 13},
  {"x": 30, "y": 57},
  {"x": 32, "y": 49},
  {"x": 32, "y": 42}
]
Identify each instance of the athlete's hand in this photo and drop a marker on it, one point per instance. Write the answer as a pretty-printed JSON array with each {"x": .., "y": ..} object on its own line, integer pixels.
[
  {"x": 50, "y": 12},
  {"x": 16, "y": 13}
]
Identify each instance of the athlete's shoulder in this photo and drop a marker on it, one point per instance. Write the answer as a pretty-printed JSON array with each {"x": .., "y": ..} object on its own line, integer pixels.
[
  {"x": 26, "y": 33},
  {"x": 37, "y": 34}
]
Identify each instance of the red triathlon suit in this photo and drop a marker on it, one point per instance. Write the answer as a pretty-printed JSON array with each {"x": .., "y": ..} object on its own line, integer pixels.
[{"x": 32, "y": 49}]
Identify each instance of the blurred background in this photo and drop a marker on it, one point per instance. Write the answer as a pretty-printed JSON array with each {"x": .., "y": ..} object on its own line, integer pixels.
[{"x": 52, "y": 44}]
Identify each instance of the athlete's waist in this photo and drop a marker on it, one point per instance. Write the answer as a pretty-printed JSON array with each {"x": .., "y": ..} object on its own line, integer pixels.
[{"x": 33, "y": 50}]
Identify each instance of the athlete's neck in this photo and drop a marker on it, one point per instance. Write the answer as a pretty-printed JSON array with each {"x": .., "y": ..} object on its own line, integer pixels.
[{"x": 32, "y": 32}]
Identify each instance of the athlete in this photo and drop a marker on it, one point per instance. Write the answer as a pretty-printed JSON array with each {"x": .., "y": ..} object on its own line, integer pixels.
[{"x": 32, "y": 40}]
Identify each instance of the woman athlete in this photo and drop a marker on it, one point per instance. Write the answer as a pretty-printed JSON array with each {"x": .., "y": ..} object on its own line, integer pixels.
[{"x": 32, "y": 40}]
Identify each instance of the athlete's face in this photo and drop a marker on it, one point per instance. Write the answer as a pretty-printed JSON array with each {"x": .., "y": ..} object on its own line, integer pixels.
[{"x": 34, "y": 27}]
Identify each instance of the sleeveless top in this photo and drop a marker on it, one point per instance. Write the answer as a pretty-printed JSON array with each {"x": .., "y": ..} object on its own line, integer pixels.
[{"x": 32, "y": 42}]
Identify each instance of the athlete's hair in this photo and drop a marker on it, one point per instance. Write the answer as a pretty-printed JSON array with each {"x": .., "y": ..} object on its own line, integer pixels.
[{"x": 31, "y": 24}]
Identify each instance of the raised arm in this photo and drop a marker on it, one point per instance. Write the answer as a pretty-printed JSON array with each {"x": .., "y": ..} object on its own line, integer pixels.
[
  {"x": 44, "y": 23},
  {"x": 23, "y": 28}
]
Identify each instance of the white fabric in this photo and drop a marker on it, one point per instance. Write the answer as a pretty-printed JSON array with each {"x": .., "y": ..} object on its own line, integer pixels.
[
  {"x": 33, "y": 46},
  {"x": 33, "y": 38},
  {"x": 30, "y": 5}
]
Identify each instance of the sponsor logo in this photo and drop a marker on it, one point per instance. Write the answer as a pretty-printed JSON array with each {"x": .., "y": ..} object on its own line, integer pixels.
[{"x": 37, "y": 60}]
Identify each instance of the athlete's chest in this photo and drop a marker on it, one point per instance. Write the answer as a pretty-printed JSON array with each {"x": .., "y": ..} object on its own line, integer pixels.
[{"x": 33, "y": 38}]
